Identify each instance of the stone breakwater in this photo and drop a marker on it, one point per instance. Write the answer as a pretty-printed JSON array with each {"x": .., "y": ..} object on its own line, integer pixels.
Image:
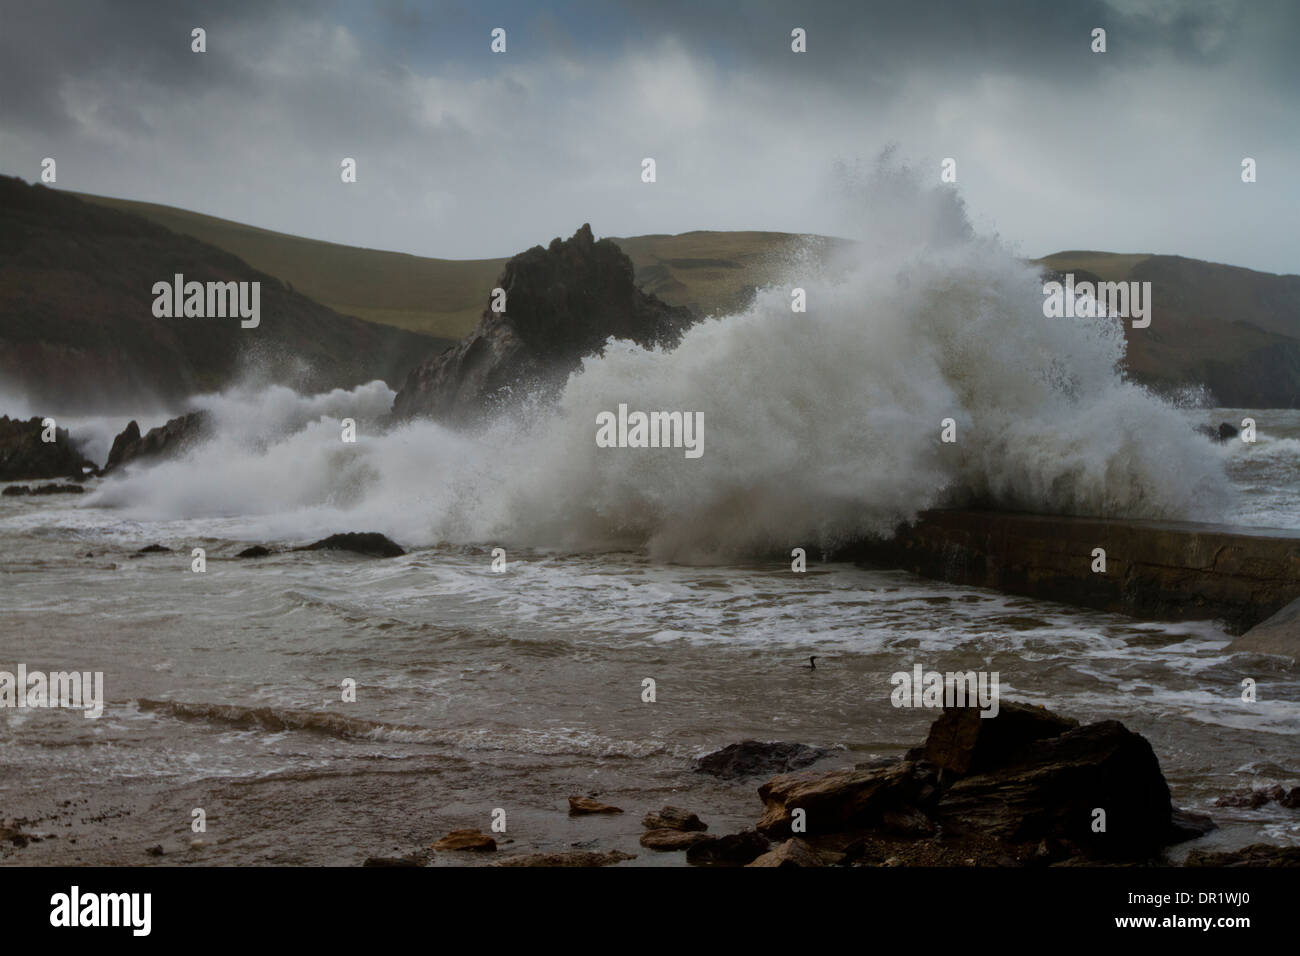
[{"x": 1149, "y": 569}]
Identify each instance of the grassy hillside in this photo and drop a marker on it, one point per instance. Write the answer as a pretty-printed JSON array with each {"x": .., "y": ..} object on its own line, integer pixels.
[
  {"x": 77, "y": 330},
  {"x": 710, "y": 272},
  {"x": 1233, "y": 330}
]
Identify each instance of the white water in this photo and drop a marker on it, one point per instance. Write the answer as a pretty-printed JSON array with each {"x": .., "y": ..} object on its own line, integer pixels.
[{"x": 819, "y": 427}]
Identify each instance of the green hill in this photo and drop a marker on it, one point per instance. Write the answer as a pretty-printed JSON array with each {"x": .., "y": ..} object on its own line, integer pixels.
[
  {"x": 78, "y": 333},
  {"x": 1233, "y": 330}
]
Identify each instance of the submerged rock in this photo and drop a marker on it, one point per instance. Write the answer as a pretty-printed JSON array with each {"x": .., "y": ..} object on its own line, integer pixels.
[
  {"x": 1224, "y": 432},
  {"x": 1257, "y": 854},
  {"x": 667, "y": 839},
  {"x": 256, "y": 551},
  {"x": 580, "y": 806},
  {"x": 368, "y": 543},
  {"x": 24, "y": 457},
  {"x": 752, "y": 757},
  {"x": 571, "y": 858},
  {"x": 165, "y": 441},
  {"x": 673, "y": 818},
  {"x": 153, "y": 549},
  {"x": 561, "y": 303},
  {"x": 472, "y": 840}
]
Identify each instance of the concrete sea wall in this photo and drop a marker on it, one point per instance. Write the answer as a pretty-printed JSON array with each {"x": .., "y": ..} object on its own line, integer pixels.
[{"x": 1158, "y": 570}]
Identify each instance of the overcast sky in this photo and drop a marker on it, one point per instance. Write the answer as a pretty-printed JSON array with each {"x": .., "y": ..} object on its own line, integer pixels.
[{"x": 465, "y": 153}]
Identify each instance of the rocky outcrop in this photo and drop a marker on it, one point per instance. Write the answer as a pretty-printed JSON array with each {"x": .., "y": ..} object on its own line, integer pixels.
[
  {"x": 1154, "y": 569},
  {"x": 753, "y": 757},
  {"x": 1254, "y": 799},
  {"x": 165, "y": 441},
  {"x": 370, "y": 543},
  {"x": 796, "y": 853},
  {"x": 1024, "y": 787},
  {"x": 561, "y": 303},
  {"x": 25, "y": 457},
  {"x": 1279, "y": 634}
]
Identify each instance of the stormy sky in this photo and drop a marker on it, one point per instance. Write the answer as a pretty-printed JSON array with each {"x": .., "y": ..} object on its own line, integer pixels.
[{"x": 465, "y": 153}]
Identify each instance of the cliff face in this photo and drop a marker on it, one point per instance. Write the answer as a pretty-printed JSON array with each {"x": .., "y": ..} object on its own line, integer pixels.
[
  {"x": 78, "y": 333},
  {"x": 561, "y": 303}
]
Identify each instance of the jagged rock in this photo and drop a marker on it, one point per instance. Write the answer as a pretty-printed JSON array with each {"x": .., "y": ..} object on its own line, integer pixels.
[
  {"x": 571, "y": 858},
  {"x": 961, "y": 741},
  {"x": 795, "y": 852},
  {"x": 23, "y": 456},
  {"x": 668, "y": 839},
  {"x": 580, "y": 806},
  {"x": 466, "y": 840},
  {"x": 256, "y": 551},
  {"x": 673, "y": 818},
  {"x": 562, "y": 303},
  {"x": 368, "y": 543},
  {"x": 735, "y": 849},
  {"x": 18, "y": 490},
  {"x": 1186, "y": 825},
  {"x": 1257, "y": 854},
  {"x": 165, "y": 441},
  {"x": 752, "y": 757}
]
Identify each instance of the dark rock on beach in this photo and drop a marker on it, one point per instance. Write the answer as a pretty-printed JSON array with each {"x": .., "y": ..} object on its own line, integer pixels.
[
  {"x": 368, "y": 543},
  {"x": 753, "y": 757},
  {"x": 256, "y": 551},
  {"x": 1223, "y": 433},
  {"x": 24, "y": 457},
  {"x": 153, "y": 549},
  {"x": 165, "y": 441},
  {"x": 1022, "y": 787},
  {"x": 562, "y": 303}
]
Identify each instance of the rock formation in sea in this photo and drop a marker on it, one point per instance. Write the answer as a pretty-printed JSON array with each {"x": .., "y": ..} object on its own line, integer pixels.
[
  {"x": 561, "y": 303},
  {"x": 165, "y": 441},
  {"x": 24, "y": 456}
]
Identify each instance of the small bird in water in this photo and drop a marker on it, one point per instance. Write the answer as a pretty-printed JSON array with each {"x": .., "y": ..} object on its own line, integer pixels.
[{"x": 812, "y": 664}]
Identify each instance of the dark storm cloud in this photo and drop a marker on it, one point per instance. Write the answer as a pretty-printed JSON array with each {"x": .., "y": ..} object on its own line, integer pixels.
[{"x": 464, "y": 153}]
